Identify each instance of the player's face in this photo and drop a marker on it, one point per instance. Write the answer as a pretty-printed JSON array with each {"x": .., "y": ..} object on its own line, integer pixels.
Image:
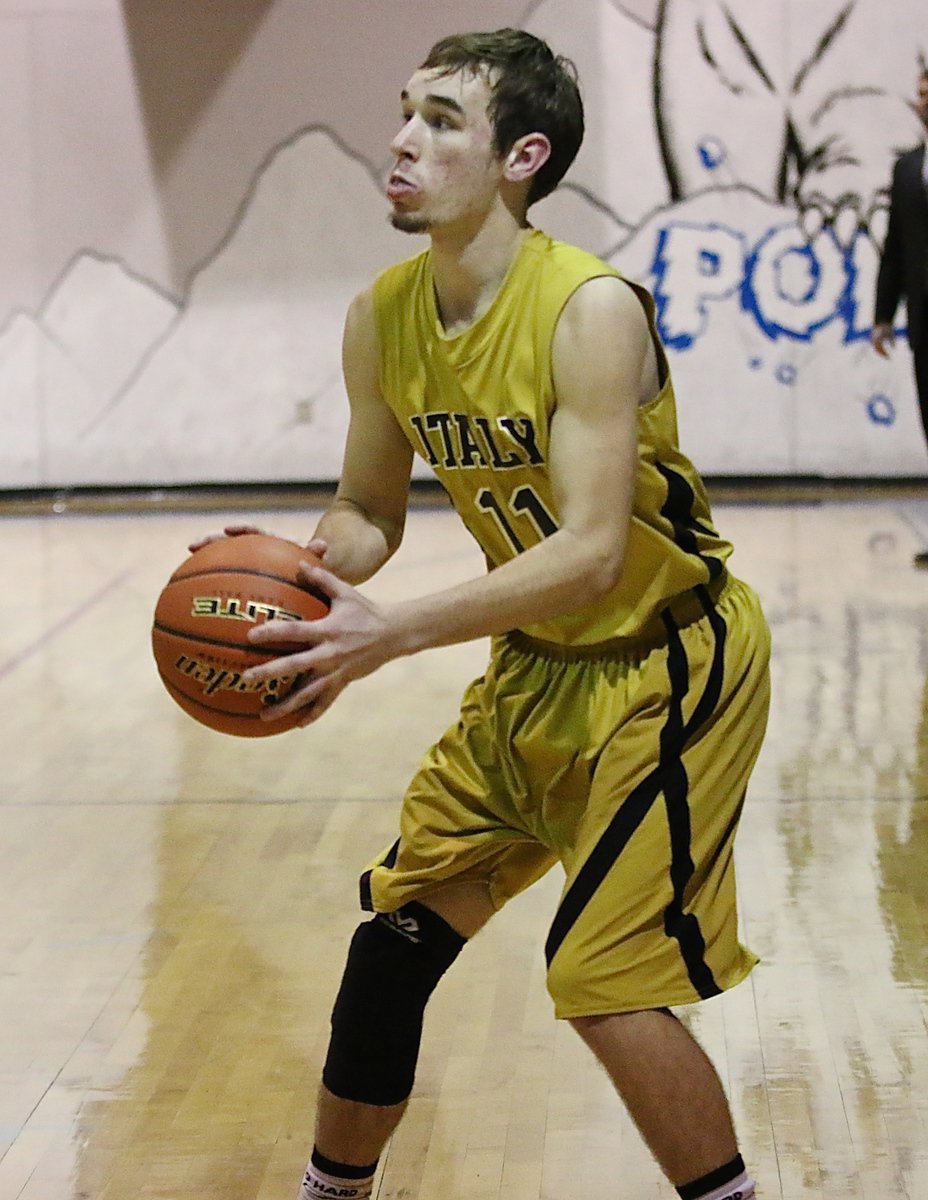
[{"x": 447, "y": 170}]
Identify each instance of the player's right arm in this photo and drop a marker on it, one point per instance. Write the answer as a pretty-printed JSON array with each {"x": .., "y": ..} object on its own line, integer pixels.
[{"x": 364, "y": 525}]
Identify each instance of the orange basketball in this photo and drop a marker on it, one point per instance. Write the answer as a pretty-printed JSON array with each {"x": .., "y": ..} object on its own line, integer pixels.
[{"x": 200, "y": 631}]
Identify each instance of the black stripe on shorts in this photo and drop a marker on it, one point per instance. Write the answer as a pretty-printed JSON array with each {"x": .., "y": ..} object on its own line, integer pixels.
[
  {"x": 678, "y": 924},
  {"x": 668, "y": 777},
  {"x": 364, "y": 883}
]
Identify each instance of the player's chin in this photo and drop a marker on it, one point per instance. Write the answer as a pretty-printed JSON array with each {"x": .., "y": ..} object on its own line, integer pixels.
[{"x": 408, "y": 222}]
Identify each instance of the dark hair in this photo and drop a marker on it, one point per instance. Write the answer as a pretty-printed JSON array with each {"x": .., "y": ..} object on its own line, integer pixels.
[{"x": 533, "y": 91}]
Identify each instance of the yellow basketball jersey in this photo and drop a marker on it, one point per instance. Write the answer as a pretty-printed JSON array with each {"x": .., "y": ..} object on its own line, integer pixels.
[{"x": 477, "y": 407}]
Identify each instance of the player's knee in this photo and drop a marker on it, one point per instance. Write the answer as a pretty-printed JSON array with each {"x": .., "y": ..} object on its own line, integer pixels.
[{"x": 394, "y": 963}]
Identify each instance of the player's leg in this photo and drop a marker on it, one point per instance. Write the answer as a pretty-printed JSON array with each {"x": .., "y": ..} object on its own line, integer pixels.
[
  {"x": 648, "y": 918},
  {"x": 674, "y": 1095},
  {"x": 394, "y": 963},
  {"x": 459, "y": 857}
]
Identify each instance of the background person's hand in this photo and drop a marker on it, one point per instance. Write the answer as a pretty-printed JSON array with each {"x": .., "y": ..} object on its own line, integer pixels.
[{"x": 882, "y": 339}]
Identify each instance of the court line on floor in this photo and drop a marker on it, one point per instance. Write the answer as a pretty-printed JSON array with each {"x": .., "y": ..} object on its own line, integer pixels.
[
  {"x": 764, "y": 800},
  {"x": 65, "y": 622},
  {"x": 203, "y": 802}
]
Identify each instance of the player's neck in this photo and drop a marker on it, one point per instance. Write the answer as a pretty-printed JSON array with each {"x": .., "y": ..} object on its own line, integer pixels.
[{"x": 469, "y": 267}]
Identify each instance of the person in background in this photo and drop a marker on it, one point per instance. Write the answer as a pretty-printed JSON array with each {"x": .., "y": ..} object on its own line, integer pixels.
[{"x": 904, "y": 264}]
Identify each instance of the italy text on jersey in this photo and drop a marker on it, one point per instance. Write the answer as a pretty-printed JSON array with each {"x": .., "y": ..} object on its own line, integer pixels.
[{"x": 456, "y": 441}]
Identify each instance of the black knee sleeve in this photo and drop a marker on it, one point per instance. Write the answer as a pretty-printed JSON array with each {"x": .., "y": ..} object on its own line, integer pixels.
[{"x": 394, "y": 963}]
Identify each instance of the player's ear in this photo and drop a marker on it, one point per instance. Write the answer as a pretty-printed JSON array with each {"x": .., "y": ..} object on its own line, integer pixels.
[{"x": 527, "y": 156}]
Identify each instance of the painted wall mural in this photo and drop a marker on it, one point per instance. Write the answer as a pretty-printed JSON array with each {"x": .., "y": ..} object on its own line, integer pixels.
[{"x": 736, "y": 162}]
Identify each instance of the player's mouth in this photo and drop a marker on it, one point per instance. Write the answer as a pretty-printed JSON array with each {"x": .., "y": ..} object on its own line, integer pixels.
[{"x": 399, "y": 187}]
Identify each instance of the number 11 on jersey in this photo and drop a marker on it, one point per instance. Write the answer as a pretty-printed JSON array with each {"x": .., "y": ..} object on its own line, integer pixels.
[{"x": 524, "y": 503}]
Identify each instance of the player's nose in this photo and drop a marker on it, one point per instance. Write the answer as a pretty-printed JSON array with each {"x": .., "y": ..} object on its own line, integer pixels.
[{"x": 404, "y": 144}]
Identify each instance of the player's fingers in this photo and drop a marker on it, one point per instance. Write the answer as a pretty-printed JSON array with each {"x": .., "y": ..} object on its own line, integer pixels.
[
  {"x": 238, "y": 530},
  {"x": 324, "y": 580},
  {"x": 277, "y": 668},
  {"x": 287, "y": 633},
  {"x": 289, "y": 665},
  {"x": 228, "y": 531},
  {"x": 205, "y": 541},
  {"x": 306, "y": 695},
  {"x": 318, "y": 707}
]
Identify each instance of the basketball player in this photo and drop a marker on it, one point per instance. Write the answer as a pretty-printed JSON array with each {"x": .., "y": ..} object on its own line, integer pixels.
[{"x": 626, "y": 694}]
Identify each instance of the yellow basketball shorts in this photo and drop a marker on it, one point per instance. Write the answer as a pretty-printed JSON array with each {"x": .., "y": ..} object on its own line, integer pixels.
[{"x": 627, "y": 764}]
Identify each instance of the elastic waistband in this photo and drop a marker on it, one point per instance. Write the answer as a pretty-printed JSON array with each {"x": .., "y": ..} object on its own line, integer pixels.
[{"x": 682, "y": 610}]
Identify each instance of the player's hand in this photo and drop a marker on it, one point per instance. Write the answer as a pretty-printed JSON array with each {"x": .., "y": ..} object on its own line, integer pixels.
[
  {"x": 882, "y": 339},
  {"x": 352, "y": 640},
  {"x": 228, "y": 531},
  {"x": 318, "y": 546}
]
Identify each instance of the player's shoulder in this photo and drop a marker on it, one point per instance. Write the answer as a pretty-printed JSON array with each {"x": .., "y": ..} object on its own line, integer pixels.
[
  {"x": 565, "y": 258},
  {"x": 390, "y": 289},
  {"x": 602, "y": 315},
  {"x": 397, "y": 280},
  {"x": 588, "y": 284},
  {"x": 578, "y": 280}
]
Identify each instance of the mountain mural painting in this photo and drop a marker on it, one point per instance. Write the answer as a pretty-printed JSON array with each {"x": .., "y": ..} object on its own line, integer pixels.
[{"x": 736, "y": 163}]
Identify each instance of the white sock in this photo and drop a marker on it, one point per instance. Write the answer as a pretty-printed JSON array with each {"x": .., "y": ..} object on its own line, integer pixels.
[
  {"x": 737, "y": 1187},
  {"x": 319, "y": 1184}
]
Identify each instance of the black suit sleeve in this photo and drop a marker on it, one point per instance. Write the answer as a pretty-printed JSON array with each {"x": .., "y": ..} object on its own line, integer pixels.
[{"x": 890, "y": 283}]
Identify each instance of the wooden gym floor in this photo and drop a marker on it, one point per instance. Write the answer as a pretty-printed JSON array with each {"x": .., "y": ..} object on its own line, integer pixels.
[{"x": 175, "y": 903}]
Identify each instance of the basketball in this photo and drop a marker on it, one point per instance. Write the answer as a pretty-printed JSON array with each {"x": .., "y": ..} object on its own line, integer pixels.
[{"x": 200, "y": 629}]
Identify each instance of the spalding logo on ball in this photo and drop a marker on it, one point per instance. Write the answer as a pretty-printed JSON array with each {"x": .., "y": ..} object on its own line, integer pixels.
[{"x": 200, "y": 631}]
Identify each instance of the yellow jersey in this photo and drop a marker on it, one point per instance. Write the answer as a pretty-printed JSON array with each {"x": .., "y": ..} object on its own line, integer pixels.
[{"x": 477, "y": 407}]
